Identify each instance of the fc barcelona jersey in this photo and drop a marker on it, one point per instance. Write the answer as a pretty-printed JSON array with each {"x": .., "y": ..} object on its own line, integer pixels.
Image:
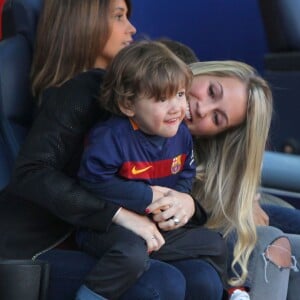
[{"x": 116, "y": 148}]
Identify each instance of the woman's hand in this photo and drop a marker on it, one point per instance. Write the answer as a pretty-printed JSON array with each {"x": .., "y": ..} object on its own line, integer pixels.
[
  {"x": 142, "y": 226},
  {"x": 173, "y": 210},
  {"x": 259, "y": 215}
]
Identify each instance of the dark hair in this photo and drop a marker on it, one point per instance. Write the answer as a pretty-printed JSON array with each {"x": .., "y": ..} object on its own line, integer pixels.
[
  {"x": 183, "y": 51},
  {"x": 70, "y": 35},
  {"x": 145, "y": 68}
]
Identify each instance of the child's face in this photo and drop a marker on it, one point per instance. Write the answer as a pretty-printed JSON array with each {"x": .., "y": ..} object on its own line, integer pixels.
[{"x": 160, "y": 117}]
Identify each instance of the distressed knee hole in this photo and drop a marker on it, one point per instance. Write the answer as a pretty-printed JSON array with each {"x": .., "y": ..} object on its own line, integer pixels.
[{"x": 279, "y": 253}]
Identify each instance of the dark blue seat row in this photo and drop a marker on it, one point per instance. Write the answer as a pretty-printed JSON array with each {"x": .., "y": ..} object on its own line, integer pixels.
[
  {"x": 282, "y": 66},
  {"x": 281, "y": 172}
]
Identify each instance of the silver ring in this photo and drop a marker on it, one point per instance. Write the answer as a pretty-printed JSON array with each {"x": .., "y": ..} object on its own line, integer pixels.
[{"x": 176, "y": 220}]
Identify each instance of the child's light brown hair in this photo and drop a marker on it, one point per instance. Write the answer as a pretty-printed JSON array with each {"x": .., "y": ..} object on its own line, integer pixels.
[{"x": 143, "y": 69}]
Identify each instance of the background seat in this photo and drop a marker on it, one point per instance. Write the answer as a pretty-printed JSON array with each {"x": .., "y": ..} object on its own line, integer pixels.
[
  {"x": 16, "y": 105},
  {"x": 281, "y": 172},
  {"x": 1, "y": 6},
  {"x": 282, "y": 66}
]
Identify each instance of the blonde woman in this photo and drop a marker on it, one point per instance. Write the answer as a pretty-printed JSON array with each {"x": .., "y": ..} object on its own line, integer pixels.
[
  {"x": 229, "y": 115},
  {"x": 230, "y": 163}
]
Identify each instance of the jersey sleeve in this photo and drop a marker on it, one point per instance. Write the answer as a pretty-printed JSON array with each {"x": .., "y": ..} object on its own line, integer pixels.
[{"x": 101, "y": 161}]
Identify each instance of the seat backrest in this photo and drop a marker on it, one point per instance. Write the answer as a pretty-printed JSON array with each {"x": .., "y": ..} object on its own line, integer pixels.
[
  {"x": 281, "y": 176},
  {"x": 5, "y": 163},
  {"x": 282, "y": 24},
  {"x": 1, "y": 6},
  {"x": 21, "y": 17},
  {"x": 16, "y": 104}
]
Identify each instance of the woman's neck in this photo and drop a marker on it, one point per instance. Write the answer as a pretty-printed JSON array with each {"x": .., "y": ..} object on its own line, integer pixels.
[{"x": 101, "y": 63}]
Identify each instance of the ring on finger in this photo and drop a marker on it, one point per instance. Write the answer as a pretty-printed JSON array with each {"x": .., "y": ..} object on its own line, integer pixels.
[{"x": 176, "y": 220}]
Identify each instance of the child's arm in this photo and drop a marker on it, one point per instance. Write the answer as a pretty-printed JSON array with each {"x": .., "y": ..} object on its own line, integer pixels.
[
  {"x": 100, "y": 163},
  {"x": 132, "y": 195}
]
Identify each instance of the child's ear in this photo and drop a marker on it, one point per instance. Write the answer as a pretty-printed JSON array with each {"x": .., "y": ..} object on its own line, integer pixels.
[{"x": 127, "y": 108}]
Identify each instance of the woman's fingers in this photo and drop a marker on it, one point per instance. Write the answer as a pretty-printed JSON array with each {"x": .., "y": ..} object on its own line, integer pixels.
[
  {"x": 154, "y": 242},
  {"x": 172, "y": 211}
]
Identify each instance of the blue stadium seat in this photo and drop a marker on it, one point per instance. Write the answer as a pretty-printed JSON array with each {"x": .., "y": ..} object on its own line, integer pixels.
[
  {"x": 281, "y": 172},
  {"x": 282, "y": 66}
]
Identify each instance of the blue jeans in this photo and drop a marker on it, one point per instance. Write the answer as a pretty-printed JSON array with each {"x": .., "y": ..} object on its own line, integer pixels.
[
  {"x": 202, "y": 280},
  {"x": 123, "y": 263},
  {"x": 188, "y": 279},
  {"x": 192, "y": 279},
  {"x": 284, "y": 218},
  {"x": 69, "y": 269}
]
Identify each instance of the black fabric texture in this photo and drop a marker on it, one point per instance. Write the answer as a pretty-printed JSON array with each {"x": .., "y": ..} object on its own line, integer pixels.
[{"x": 44, "y": 184}]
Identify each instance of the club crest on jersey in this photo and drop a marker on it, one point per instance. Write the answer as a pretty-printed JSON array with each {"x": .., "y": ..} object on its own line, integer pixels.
[{"x": 176, "y": 164}]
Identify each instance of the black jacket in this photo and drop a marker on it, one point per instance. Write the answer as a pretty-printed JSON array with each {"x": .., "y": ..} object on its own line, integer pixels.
[{"x": 44, "y": 201}]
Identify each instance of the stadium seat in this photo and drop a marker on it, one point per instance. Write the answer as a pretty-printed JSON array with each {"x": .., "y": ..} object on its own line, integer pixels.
[
  {"x": 282, "y": 66},
  {"x": 281, "y": 172}
]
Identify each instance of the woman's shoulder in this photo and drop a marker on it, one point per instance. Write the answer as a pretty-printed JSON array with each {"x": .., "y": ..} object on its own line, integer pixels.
[
  {"x": 76, "y": 99},
  {"x": 83, "y": 85},
  {"x": 80, "y": 91},
  {"x": 91, "y": 78}
]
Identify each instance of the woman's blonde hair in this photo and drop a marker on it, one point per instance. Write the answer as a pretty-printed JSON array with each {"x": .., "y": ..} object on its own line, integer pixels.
[
  {"x": 230, "y": 163},
  {"x": 70, "y": 36}
]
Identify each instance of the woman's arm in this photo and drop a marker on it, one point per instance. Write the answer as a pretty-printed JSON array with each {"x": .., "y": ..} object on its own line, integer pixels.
[
  {"x": 142, "y": 226},
  {"x": 47, "y": 164}
]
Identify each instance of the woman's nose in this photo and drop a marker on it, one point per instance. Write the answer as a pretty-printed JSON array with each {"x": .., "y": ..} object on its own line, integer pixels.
[
  {"x": 132, "y": 29},
  {"x": 202, "y": 109}
]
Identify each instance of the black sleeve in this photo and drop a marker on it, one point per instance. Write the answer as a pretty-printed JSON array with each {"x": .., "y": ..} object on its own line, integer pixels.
[
  {"x": 200, "y": 216},
  {"x": 46, "y": 166}
]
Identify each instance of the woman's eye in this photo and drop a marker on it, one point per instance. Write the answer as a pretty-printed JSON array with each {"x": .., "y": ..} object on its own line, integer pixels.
[
  {"x": 181, "y": 94},
  {"x": 216, "y": 119},
  {"x": 211, "y": 91},
  {"x": 119, "y": 17}
]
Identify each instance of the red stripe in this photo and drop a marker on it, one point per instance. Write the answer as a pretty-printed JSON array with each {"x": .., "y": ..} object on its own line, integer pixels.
[{"x": 157, "y": 169}]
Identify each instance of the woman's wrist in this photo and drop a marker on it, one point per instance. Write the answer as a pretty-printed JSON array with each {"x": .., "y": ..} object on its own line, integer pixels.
[
  {"x": 199, "y": 213},
  {"x": 116, "y": 215}
]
